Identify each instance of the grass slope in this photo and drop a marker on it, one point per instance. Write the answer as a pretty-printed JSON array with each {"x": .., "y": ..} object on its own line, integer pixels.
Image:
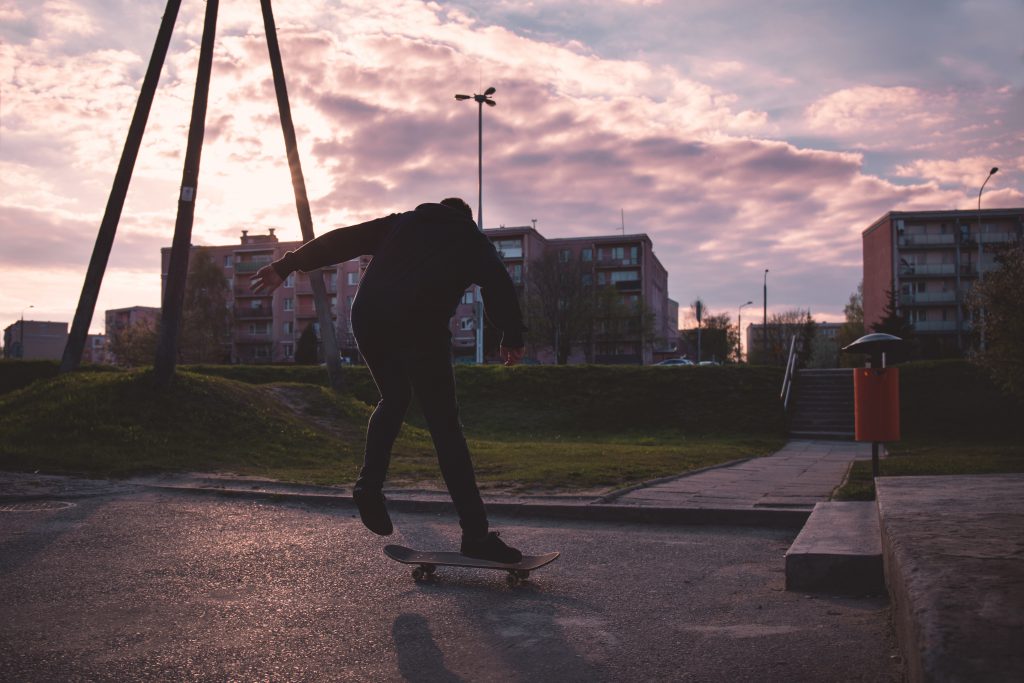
[{"x": 602, "y": 427}]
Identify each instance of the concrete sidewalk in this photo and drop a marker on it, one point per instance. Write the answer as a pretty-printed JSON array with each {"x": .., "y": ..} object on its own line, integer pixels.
[{"x": 798, "y": 476}]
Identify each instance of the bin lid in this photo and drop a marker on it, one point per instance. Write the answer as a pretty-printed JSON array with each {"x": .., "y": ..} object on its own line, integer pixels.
[{"x": 877, "y": 342}]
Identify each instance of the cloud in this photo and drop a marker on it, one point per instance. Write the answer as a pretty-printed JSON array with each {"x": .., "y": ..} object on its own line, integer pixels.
[{"x": 724, "y": 187}]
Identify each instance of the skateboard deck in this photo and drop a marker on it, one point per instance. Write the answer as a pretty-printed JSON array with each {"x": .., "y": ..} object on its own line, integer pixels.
[{"x": 427, "y": 562}]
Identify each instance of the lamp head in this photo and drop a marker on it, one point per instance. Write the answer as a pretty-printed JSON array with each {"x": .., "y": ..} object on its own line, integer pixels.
[
  {"x": 463, "y": 97},
  {"x": 489, "y": 91},
  {"x": 995, "y": 169}
]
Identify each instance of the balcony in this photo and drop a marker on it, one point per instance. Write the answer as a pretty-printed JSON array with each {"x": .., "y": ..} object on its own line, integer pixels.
[
  {"x": 245, "y": 267},
  {"x": 938, "y": 326},
  {"x": 251, "y": 313},
  {"x": 928, "y": 298},
  {"x": 926, "y": 240},
  {"x": 617, "y": 262},
  {"x": 927, "y": 269},
  {"x": 628, "y": 285}
]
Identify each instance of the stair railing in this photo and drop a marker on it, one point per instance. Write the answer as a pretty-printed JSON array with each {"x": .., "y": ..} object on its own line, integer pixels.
[{"x": 787, "y": 379}]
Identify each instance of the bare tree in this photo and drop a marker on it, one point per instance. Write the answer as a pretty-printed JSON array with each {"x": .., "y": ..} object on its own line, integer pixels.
[
  {"x": 135, "y": 344},
  {"x": 782, "y": 327},
  {"x": 560, "y": 304},
  {"x": 206, "y": 320}
]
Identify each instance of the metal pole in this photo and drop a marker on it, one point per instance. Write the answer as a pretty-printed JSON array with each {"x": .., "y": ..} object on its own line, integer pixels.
[
  {"x": 480, "y": 224},
  {"x": 995, "y": 169},
  {"x": 764, "y": 323},
  {"x": 177, "y": 270},
  {"x": 115, "y": 202},
  {"x": 316, "y": 280}
]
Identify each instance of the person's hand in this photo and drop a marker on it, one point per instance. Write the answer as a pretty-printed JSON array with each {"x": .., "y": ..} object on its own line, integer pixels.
[
  {"x": 512, "y": 356},
  {"x": 265, "y": 281}
]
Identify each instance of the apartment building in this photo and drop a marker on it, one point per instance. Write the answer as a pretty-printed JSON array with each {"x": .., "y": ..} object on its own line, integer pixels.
[
  {"x": 35, "y": 339},
  {"x": 266, "y": 327},
  {"x": 626, "y": 263},
  {"x": 930, "y": 260}
]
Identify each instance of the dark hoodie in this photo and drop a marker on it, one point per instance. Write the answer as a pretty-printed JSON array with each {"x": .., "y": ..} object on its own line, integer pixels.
[{"x": 423, "y": 261}]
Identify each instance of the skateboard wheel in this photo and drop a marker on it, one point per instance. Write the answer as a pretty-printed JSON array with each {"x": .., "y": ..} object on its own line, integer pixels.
[
  {"x": 429, "y": 569},
  {"x": 513, "y": 580},
  {"x": 523, "y": 573},
  {"x": 418, "y": 573}
]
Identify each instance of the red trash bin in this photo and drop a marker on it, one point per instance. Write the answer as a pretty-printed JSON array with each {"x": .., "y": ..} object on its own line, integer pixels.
[{"x": 876, "y": 404}]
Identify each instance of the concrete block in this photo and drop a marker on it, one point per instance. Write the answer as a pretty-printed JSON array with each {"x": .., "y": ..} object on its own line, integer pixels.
[{"x": 839, "y": 551}]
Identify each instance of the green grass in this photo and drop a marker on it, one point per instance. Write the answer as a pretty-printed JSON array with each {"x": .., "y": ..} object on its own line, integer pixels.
[
  {"x": 930, "y": 456},
  {"x": 114, "y": 424}
]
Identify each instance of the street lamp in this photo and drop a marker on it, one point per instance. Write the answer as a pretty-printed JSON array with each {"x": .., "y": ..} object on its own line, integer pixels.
[
  {"x": 739, "y": 325},
  {"x": 764, "y": 321},
  {"x": 995, "y": 169},
  {"x": 480, "y": 101}
]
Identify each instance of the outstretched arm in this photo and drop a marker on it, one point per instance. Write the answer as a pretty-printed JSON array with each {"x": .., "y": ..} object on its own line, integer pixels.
[{"x": 335, "y": 246}]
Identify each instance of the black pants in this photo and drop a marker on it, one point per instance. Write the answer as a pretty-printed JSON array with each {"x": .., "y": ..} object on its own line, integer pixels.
[{"x": 399, "y": 368}]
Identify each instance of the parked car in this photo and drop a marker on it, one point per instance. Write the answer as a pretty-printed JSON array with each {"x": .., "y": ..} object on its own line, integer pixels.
[{"x": 670, "y": 362}]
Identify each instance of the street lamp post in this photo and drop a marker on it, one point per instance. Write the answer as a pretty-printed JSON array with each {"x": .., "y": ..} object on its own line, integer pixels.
[
  {"x": 995, "y": 169},
  {"x": 480, "y": 100},
  {"x": 764, "y": 319},
  {"x": 739, "y": 326}
]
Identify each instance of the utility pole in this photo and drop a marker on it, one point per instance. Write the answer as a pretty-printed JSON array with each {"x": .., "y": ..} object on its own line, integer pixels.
[
  {"x": 115, "y": 203},
  {"x": 316, "y": 278},
  {"x": 177, "y": 270}
]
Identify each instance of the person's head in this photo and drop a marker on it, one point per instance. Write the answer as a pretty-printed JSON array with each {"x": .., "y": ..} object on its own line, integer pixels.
[{"x": 459, "y": 205}]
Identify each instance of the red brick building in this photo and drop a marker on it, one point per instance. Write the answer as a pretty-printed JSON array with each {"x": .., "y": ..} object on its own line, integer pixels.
[{"x": 266, "y": 328}]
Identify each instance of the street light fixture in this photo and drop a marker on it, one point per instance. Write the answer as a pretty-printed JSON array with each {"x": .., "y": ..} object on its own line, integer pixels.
[
  {"x": 995, "y": 169},
  {"x": 480, "y": 100},
  {"x": 739, "y": 326},
  {"x": 764, "y": 322}
]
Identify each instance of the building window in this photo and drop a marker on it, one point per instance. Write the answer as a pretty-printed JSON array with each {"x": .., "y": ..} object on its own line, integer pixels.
[
  {"x": 467, "y": 298},
  {"x": 587, "y": 255},
  {"x": 288, "y": 328},
  {"x": 515, "y": 271},
  {"x": 256, "y": 329},
  {"x": 227, "y": 261},
  {"x": 262, "y": 352},
  {"x": 587, "y": 279},
  {"x": 334, "y": 304},
  {"x": 289, "y": 350},
  {"x": 348, "y": 302},
  {"x": 564, "y": 255},
  {"x": 290, "y": 280},
  {"x": 332, "y": 280},
  {"x": 466, "y": 324},
  {"x": 509, "y": 248},
  {"x": 288, "y": 303},
  {"x": 352, "y": 278}
]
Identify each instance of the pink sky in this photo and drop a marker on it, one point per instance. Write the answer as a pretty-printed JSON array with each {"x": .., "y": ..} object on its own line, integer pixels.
[{"x": 738, "y": 136}]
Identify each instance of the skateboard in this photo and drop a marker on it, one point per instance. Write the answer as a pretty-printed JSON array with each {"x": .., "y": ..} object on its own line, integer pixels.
[{"x": 427, "y": 562}]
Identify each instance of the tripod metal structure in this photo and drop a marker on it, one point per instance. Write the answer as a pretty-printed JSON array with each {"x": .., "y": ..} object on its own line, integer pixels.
[{"x": 174, "y": 289}]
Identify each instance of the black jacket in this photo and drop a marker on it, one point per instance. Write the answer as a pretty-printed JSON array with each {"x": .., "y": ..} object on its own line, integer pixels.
[{"x": 423, "y": 261}]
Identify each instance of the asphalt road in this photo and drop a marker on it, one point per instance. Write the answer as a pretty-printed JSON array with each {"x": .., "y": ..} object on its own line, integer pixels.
[{"x": 148, "y": 586}]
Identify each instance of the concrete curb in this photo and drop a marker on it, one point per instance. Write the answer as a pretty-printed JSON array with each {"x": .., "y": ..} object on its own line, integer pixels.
[
  {"x": 609, "y": 497},
  {"x": 760, "y": 517}
]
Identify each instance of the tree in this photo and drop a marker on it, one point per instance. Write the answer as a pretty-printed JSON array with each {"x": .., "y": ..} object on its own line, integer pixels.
[
  {"x": 305, "y": 349},
  {"x": 719, "y": 337},
  {"x": 560, "y": 304},
  {"x": 896, "y": 324},
  {"x": 998, "y": 308},
  {"x": 206, "y": 319},
  {"x": 782, "y": 327},
  {"x": 135, "y": 344},
  {"x": 853, "y": 328}
]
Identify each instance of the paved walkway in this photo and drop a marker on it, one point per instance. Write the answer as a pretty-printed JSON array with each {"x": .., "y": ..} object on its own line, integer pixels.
[{"x": 800, "y": 475}]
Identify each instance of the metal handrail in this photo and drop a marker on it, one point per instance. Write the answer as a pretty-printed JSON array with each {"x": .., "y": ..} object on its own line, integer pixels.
[{"x": 787, "y": 379}]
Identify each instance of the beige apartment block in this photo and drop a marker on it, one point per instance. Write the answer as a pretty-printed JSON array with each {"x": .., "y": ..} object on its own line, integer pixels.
[
  {"x": 930, "y": 260},
  {"x": 35, "y": 340}
]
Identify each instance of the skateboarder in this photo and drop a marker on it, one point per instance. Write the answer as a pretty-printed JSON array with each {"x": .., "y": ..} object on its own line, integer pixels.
[{"x": 423, "y": 261}]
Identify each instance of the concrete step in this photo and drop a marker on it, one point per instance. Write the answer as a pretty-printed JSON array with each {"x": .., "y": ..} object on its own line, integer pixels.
[
  {"x": 839, "y": 551},
  {"x": 815, "y": 434}
]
